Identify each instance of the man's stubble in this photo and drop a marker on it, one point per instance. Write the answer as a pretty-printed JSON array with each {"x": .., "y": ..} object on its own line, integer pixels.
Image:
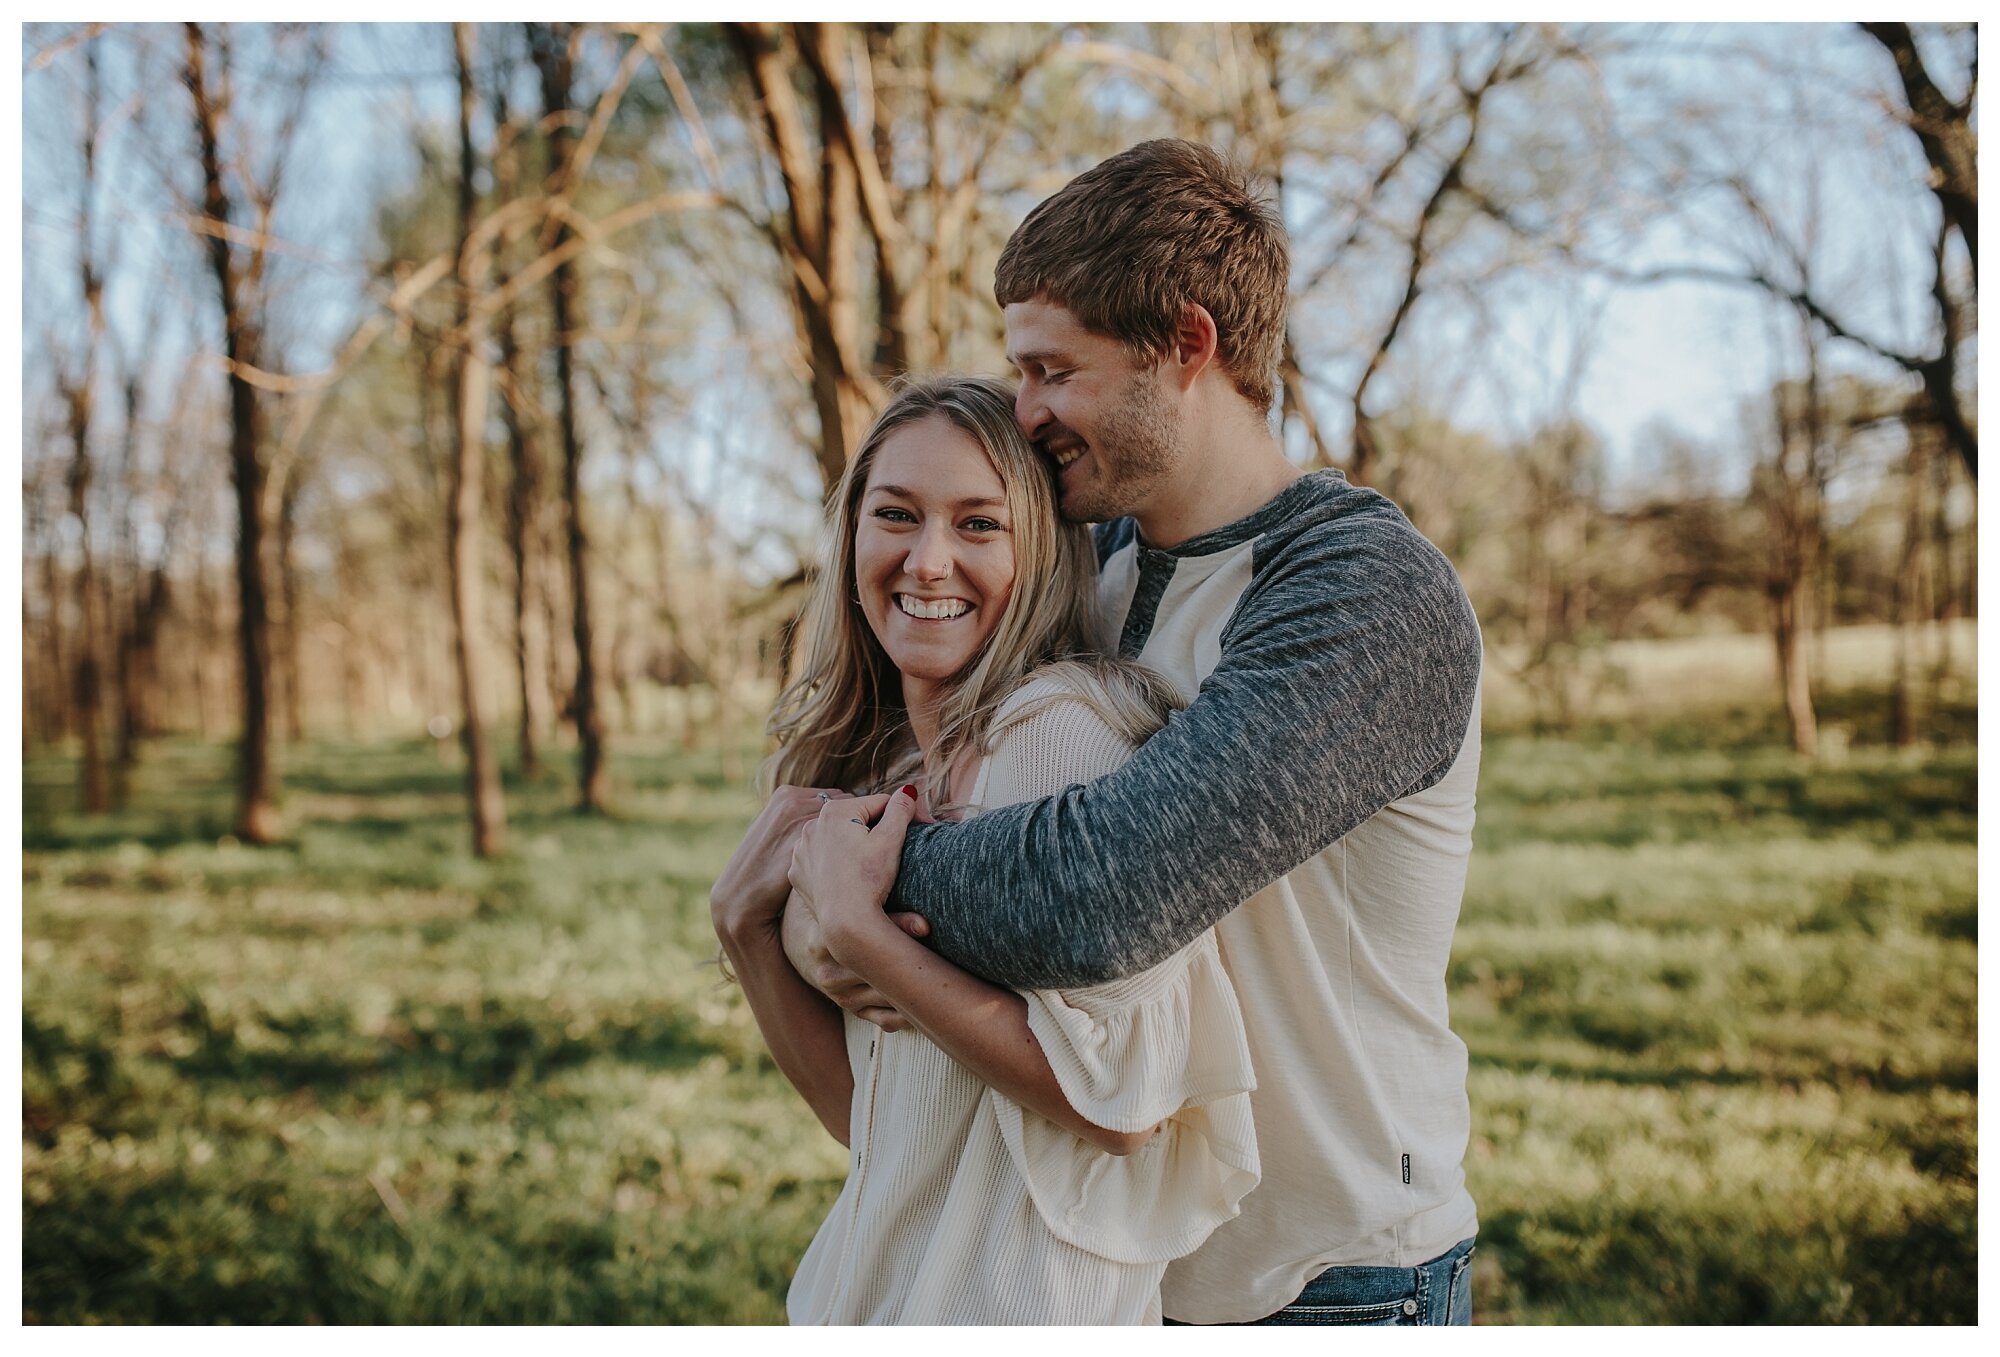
[{"x": 1137, "y": 445}]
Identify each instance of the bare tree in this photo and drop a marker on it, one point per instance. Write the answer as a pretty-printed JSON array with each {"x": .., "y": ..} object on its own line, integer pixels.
[
  {"x": 79, "y": 393},
  {"x": 1788, "y": 490},
  {"x": 239, "y": 268},
  {"x": 151, "y": 593},
  {"x": 552, "y": 47},
  {"x": 819, "y": 235},
  {"x": 1777, "y": 265},
  {"x": 520, "y": 413},
  {"x": 1906, "y": 599},
  {"x": 462, "y": 535},
  {"x": 877, "y": 271},
  {"x": 1472, "y": 91},
  {"x": 1943, "y": 127}
]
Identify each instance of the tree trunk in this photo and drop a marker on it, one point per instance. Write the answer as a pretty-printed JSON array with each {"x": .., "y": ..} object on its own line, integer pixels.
[
  {"x": 552, "y": 56},
  {"x": 482, "y": 777},
  {"x": 138, "y": 660},
  {"x": 523, "y": 513},
  {"x": 95, "y": 781},
  {"x": 257, "y": 813},
  {"x": 56, "y": 647},
  {"x": 523, "y": 498},
  {"x": 1907, "y": 603},
  {"x": 557, "y": 669},
  {"x": 80, "y": 392},
  {"x": 291, "y": 632},
  {"x": 138, "y": 625},
  {"x": 1788, "y": 629}
]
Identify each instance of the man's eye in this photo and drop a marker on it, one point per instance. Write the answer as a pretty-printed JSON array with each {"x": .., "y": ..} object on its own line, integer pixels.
[{"x": 1055, "y": 378}]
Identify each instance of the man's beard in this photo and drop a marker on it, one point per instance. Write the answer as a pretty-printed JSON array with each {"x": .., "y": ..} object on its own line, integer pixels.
[{"x": 1143, "y": 434}]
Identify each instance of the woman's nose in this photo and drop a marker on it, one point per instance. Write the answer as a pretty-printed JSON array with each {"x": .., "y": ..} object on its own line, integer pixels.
[{"x": 930, "y": 557}]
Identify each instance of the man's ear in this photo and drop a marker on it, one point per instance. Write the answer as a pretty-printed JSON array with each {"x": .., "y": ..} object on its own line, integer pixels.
[{"x": 1194, "y": 344}]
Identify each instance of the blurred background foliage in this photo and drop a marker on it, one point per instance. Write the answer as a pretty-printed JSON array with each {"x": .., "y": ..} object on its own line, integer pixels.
[{"x": 423, "y": 435}]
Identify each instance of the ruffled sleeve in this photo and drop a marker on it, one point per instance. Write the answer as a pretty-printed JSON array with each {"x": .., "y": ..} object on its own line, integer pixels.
[{"x": 1164, "y": 1048}]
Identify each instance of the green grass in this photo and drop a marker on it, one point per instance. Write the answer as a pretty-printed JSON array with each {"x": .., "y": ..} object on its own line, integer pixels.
[
  {"x": 1722, "y": 1009},
  {"x": 1721, "y": 1006}
]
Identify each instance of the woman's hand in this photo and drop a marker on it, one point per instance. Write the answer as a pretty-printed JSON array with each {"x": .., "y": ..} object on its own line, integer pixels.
[
  {"x": 845, "y": 867},
  {"x": 805, "y": 948},
  {"x": 748, "y": 899}
]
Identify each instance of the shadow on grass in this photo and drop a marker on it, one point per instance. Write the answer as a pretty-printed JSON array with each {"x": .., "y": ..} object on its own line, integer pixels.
[
  {"x": 1673, "y": 1074},
  {"x": 435, "y": 1049},
  {"x": 77, "y": 834},
  {"x": 1622, "y": 797},
  {"x": 70, "y": 1075},
  {"x": 1713, "y": 1265},
  {"x": 183, "y": 1248}
]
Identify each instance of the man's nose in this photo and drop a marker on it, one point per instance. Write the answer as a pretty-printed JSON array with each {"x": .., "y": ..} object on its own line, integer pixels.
[{"x": 1029, "y": 412}]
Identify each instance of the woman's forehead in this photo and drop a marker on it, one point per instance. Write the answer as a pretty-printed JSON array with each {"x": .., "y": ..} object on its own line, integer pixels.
[{"x": 934, "y": 459}]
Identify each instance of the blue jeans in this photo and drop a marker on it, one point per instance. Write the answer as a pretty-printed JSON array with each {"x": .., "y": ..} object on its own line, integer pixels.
[{"x": 1437, "y": 1292}]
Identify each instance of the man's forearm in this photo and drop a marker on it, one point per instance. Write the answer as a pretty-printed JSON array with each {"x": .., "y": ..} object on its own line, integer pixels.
[{"x": 1318, "y": 716}]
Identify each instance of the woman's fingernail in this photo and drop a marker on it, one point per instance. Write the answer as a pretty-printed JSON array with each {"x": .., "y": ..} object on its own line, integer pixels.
[{"x": 910, "y": 790}]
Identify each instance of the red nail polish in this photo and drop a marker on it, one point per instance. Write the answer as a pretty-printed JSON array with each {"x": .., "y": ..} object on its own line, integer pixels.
[{"x": 910, "y": 790}]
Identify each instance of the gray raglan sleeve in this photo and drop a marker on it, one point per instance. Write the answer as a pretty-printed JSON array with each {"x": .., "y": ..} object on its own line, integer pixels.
[{"x": 1346, "y": 682}]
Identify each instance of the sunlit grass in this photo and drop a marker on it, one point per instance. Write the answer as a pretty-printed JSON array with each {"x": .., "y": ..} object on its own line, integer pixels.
[{"x": 1721, "y": 1006}]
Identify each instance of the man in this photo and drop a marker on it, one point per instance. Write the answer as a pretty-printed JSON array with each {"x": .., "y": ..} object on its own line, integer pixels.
[{"x": 1314, "y": 801}]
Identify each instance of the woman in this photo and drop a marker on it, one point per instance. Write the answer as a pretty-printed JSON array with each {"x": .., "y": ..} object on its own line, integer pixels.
[{"x": 1017, "y": 1158}]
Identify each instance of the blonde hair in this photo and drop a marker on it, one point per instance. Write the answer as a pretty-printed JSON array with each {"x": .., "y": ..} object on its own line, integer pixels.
[{"x": 841, "y": 722}]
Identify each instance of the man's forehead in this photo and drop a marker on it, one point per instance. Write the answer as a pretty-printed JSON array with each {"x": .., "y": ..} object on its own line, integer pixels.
[{"x": 1038, "y": 330}]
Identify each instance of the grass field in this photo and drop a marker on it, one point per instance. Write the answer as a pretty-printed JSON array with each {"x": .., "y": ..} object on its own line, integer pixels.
[{"x": 1721, "y": 1007}]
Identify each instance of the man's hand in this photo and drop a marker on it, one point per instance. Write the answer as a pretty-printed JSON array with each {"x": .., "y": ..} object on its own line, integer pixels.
[
  {"x": 750, "y": 894},
  {"x": 805, "y": 948}
]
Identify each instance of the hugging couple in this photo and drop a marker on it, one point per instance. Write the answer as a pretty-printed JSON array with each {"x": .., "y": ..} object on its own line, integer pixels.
[{"x": 1103, "y": 903}]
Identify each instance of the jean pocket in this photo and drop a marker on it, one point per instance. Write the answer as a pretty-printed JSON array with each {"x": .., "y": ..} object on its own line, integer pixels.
[
  {"x": 1458, "y": 1293},
  {"x": 1378, "y": 1312}
]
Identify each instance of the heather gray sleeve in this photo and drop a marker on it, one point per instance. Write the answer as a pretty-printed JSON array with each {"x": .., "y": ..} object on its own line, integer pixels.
[{"x": 1346, "y": 681}]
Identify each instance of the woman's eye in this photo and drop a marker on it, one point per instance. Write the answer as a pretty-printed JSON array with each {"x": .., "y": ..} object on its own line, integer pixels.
[
  {"x": 894, "y": 515},
  {"x": 981, "y": 525}
]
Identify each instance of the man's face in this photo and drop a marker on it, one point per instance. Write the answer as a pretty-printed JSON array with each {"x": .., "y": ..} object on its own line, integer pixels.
[{"x": 1105, "y": 420}]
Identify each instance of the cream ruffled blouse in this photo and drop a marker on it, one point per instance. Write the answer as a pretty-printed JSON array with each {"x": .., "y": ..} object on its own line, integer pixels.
[{"x": 963, "y": 1207}]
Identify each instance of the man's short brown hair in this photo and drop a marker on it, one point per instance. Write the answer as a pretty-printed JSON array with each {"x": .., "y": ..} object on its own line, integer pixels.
[{"x": 1129, "y": 241}]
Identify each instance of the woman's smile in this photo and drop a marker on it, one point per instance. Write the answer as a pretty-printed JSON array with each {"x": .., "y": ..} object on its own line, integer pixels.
[{"x": 933, "y": 610}]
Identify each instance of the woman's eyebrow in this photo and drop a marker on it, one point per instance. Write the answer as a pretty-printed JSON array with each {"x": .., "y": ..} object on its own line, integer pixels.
[{"x": 969, "y": 502}]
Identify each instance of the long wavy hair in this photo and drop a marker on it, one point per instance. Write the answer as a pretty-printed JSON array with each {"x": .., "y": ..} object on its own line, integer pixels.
[{"x": 841, "y": 722}]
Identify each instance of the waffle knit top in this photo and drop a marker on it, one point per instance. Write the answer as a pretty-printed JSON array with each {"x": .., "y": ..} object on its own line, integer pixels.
[
  {"x": 1314, "y": 805},
  {"x": 963, "y": 1207}
]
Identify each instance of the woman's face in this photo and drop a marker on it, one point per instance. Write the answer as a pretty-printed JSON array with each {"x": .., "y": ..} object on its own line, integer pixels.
[{"x": 933, "y": 549}]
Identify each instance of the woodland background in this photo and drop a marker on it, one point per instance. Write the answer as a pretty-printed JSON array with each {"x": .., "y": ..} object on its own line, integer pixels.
[{"x": 424, "y": 429}]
